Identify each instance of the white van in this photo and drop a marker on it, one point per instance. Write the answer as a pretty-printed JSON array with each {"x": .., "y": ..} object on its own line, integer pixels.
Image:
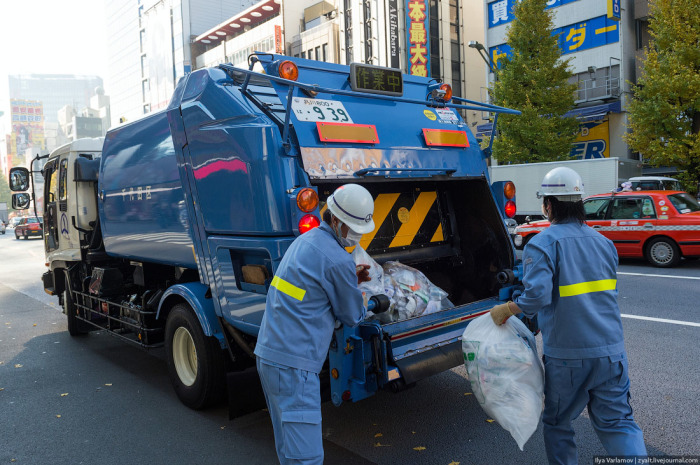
[{"x": 655, "y": 183}]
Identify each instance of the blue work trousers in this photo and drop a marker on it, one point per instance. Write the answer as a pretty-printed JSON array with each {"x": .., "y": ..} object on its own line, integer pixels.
[
  {"x": 294, "y": 401},
  {"x": 602, "y": 385}
]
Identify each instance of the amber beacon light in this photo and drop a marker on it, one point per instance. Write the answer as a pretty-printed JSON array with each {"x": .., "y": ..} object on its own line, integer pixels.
[{"x": 288, "y": 70}]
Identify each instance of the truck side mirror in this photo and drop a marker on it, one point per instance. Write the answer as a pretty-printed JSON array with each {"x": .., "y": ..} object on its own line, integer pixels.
[
  {"x": 20, "y": 201},
  {"x": 19, "y": 179}
]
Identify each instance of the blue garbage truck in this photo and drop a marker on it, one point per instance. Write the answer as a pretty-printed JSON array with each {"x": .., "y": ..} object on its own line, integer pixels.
[{"x": 167, "y": 232}]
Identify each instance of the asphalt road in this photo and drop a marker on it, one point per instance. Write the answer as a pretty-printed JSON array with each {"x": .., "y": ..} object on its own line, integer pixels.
[{"x": 97, "y": 400}]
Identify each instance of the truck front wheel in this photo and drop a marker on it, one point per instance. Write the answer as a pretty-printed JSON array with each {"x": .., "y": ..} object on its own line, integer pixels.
[
  {"x": 76, "y": 327},
  {"x": 195, "y": 361}
]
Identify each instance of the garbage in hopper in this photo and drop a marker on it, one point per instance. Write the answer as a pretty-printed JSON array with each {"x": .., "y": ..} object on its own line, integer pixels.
[{"x": 410, "y": 292}]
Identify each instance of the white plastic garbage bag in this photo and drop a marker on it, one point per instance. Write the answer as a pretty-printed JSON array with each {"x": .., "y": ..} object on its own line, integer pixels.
[{"x": 506, "y": 375}]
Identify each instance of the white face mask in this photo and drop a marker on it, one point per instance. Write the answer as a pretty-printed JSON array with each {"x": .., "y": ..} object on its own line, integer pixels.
[{"x": 352, "y": 238}]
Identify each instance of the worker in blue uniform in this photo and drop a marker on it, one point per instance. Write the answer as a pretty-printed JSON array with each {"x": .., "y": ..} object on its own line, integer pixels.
[
  {"x": 570, "y": 283},
  {"x": 314, "y": 286}
]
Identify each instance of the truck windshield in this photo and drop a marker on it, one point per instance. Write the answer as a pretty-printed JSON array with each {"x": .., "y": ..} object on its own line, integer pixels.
[{"x": 684, "y": 203}]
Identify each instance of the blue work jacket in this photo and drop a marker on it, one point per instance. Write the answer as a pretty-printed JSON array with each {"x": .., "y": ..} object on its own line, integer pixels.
[
  {"x": 314, "y": 285},
  {"x": 570, "y": 278}
]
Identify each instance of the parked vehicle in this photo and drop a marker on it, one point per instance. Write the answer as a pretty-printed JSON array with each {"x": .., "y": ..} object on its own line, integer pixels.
[
  {"x": 600, "y": 175},
  {"x": 654, "y": 183},
  {"x": 29, "y": 226},
  {"x": 170, "y": 232},
  {"x": 661, "y": 226}
]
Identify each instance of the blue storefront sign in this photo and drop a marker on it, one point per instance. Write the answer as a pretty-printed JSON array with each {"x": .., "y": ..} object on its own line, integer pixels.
[
  {"x": 501, "y": 11},
  {"x": 573, "y": 38}
]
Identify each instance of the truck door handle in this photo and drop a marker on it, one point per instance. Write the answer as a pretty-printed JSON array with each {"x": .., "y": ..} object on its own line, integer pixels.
[
  {"x": 648, "y": 226},
  {"x": 596, "y": 226}
]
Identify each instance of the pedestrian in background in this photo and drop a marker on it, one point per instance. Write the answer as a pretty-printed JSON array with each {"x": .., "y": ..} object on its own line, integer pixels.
[
  {"x": 314, "y": 285},
  {"x": 570, "y": 283}
]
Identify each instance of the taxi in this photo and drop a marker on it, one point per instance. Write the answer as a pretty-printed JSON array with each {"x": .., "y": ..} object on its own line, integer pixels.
[{"x": 661, "y": 226}]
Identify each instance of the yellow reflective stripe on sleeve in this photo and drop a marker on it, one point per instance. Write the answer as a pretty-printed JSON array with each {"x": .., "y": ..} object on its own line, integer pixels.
[
  {"x": 587, "y": 287},
  {"x": 290, "y": 289}
]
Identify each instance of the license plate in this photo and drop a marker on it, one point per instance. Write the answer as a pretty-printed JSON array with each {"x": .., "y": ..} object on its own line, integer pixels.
[{"x": 307, "y": 109}]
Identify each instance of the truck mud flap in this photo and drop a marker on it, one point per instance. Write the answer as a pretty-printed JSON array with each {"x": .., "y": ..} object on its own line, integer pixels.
[
  {"x": 436, "y": 360},
  {"x": 245, "y": 392}
]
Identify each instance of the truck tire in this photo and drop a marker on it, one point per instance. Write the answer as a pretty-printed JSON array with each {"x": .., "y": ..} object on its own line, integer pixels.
[
  {"x": 76, "y": 327},
  {"x": 195, "y": 361},
  {"x": 663, "y": 252}
]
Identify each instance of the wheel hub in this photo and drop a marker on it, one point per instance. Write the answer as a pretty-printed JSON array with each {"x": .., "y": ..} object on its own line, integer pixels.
[
  {"x": 185, "y": 356},
  {"x": 662, "y": 253}
]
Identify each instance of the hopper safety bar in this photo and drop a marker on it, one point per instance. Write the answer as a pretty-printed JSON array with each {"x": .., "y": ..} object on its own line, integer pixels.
[{"x": 314, "y": 88}]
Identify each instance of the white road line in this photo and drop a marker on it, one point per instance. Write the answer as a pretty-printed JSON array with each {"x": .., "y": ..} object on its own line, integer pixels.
[
  {"x": 657, "y": 275},
  {"x": 660, "y": 320}
]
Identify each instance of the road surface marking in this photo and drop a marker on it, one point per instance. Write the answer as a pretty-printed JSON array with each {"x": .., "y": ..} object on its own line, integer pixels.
[
  {"x": 658, "y": 275},
  {"x": 660, "y": 320}
]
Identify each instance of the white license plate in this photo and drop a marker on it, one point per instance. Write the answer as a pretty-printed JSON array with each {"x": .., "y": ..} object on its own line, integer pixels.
[{"x": 328, "y": 111}]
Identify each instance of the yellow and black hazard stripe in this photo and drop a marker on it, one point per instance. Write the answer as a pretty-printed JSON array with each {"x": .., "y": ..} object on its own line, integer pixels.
[{"x": 405, "y": 219}]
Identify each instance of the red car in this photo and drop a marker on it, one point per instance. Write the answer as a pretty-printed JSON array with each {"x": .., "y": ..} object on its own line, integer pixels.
[
  {"x": 29, "y": 226},
  {"x": 661, "y": 226}
]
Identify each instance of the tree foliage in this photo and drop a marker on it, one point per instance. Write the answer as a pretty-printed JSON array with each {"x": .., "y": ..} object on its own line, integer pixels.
[
  {"x": 664, "y": 114},
  {"x": 534, "y": 80}
]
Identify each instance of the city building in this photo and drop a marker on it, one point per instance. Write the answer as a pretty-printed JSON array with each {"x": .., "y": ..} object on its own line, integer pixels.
[
  {"x": 54, "y": 91},
  {"x": 601, "y": 40},
  {"x": 423, "y": 37},
  {"x": 150, "y": 49}
]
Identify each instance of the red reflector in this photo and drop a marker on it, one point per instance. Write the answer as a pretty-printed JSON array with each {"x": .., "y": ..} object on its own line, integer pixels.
[
  {"x": 307, "y": 223},
  {"x": 510, "y": 209},
  {"x": 346, "y": 396}
]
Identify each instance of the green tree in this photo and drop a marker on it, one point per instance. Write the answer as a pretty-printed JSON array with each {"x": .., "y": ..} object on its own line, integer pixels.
[
  {"x": 664, "y": 114},
  {"x": 534, "y": 80}
]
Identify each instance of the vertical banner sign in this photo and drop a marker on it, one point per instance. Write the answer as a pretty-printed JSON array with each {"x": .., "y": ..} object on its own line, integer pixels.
[
  {"x": 279, "y": 48},
  {"x": 417, "y": 33},
  {"x": 614, "y": 10},
  {"x": 394, "y": 49}
]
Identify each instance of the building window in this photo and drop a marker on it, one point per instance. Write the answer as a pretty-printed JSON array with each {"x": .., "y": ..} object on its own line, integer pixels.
[
  {"x": 325, "y": 52},
  {"x": 456, "y": 56},
  {"x": 318, "y": 53},
  {"x": 303, "y": 54},
  {"x": 348, "y": 32},
  {"x": 434, "y": 39}
]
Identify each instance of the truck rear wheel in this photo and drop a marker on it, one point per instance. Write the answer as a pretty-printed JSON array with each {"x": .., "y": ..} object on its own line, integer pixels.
[
  {"x": 195, "y": 361},
  {"x": 76, "y": 327}
]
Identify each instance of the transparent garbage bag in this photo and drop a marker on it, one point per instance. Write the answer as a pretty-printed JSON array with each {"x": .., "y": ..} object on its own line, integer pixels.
[
  {"x": 376, "y": 284},
  {"x": 412, "y": 294},
  {"x": 506, "y": 375}
]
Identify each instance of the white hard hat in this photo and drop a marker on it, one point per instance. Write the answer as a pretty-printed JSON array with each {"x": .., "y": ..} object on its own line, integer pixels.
[
  {"x": 353, "y": 205},
  {"x": 563, "y": 183}
]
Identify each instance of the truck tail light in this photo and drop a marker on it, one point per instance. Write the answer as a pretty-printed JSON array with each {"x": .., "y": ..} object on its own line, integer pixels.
[
  {"x": 307, "y": 200},
  {"x": 307, "y": 223},
  {"x": 510, "y": 209},
  {"x": 346, "y": 396},
  {"x": 288, "y": 70}
]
